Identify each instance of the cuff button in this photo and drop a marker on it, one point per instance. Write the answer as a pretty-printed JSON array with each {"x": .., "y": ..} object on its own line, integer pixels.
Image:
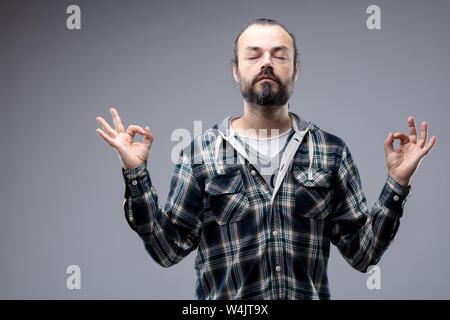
[{"x": 396, "y": 197}]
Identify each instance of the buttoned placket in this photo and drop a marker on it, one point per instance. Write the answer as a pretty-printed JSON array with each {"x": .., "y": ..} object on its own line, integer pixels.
[
  {"x": 274, "y": 217},
  {"x": 278, "y": 249},
  {"x": 275, "y": 223}
]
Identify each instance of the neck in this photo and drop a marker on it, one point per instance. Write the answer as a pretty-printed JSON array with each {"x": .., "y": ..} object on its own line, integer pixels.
[{"x": 263, "y": 118}]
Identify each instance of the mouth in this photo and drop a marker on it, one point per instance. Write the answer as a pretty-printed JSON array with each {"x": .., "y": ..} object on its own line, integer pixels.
[{"x": 266, "y": 78}]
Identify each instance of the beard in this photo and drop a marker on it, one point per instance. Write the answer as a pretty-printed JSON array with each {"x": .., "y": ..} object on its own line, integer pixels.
[{"x": 269, "y": 93}]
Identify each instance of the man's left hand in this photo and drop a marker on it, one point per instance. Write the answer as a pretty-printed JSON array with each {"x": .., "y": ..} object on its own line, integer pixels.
[{"x": 403, "y": 162}]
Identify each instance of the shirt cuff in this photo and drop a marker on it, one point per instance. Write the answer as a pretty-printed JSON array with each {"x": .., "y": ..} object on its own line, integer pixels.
[
  {"x": 394, "y": 195},
  {"x": 137, "y": 180}
]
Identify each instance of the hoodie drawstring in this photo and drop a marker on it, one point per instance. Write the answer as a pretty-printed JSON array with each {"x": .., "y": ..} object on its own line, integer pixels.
[
  {"x": 311, "y": 156},
  {"x": 241, "y": 151},
  {"x": 216, "y": 150}
]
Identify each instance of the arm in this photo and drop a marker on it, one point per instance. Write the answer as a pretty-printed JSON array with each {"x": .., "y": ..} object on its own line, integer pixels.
[
  {"x": 362, "y": 236},
  {"x": 168, "y": 234},
  {"x": 172, "y": 232}
]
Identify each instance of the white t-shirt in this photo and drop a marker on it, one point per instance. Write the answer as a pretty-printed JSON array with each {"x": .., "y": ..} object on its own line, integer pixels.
[
  {"x": 265, "y": 153},
  {"x": 270, "y": 147}
]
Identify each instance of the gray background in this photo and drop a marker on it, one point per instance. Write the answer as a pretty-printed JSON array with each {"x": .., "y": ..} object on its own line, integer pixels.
[{"x": 165, "y": 64}]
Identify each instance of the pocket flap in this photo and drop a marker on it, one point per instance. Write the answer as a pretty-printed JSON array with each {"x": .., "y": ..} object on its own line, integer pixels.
[
  {"x": 230, "y": 182},
  {"x": 321, "y": 177}
]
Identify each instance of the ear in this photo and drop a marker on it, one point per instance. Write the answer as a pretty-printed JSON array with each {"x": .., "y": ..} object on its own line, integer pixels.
[
  {"x": 297, "y": 70},
  {"x": 235, "y": 73}
]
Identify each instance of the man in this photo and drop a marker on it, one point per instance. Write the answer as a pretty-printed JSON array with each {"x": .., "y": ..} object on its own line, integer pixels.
[{"x": 262, "y": 209}]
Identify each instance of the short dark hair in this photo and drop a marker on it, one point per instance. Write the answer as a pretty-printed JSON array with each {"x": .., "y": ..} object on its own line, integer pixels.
[{"x": 263, "y": 21}]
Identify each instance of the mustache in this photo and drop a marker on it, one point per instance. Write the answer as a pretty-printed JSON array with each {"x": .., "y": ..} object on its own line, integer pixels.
[{"x": 266, "y": 73}]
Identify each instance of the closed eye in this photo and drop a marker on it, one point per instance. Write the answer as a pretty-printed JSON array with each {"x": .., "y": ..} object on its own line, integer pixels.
[{"x": 252, "y": 58}]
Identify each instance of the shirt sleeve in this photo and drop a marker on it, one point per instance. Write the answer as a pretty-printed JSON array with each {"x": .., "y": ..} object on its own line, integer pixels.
[
  {"x": 170, "y": 233},
  {"x": 362, "y": 236}
]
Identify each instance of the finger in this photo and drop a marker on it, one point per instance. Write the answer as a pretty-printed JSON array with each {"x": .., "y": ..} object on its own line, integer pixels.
[
  {"x": 107, "y": 138},
  {"x": 423, "y": 134},
  {"x": 430, "y": 144},
  {"x": 404, "y": 139},
  {"x": 111, "y": 132},
  {"x": 132, "y": 129},
  {"x": 388, "y": 144},
  {"x": 148, "y": 137},
  {"x": 412, "y": 130},
  {"x": 117, "y": 121}
]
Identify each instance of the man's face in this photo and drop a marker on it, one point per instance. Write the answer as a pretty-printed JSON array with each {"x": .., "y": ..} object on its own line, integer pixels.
[{"x": 266, "y": 51}]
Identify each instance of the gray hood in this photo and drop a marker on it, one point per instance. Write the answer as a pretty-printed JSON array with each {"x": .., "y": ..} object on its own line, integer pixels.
[{"x": 301, "y": 128}]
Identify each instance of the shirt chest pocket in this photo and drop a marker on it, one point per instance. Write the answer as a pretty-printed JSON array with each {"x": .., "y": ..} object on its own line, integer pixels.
[
  {"x": 228, "y": 198},
  {"x": 313, "y": 197}
]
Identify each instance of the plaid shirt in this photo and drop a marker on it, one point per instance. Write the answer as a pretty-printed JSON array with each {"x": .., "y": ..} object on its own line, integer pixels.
[{"x": 250, "y": 247}]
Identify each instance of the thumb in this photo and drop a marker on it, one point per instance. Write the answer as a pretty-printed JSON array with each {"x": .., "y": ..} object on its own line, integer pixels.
[{"x": 388, "y": 144}]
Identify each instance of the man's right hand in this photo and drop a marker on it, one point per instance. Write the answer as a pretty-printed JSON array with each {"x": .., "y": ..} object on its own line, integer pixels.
[{"x": 131, "y": 153}]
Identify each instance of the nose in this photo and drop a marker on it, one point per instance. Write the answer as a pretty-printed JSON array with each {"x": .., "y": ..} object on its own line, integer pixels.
[{"x": 267, "y": 61}]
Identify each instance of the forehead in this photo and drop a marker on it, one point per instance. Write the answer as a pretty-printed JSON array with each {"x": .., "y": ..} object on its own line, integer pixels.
[{"x": 265, "y": 37}]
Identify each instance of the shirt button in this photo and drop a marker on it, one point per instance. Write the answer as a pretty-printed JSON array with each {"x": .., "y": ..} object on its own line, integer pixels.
[
  {"x": 275, "y": 233},
  {"x": 134, "y": 182},
  {"x": 396, "y": 197},
  {"x": 253, "y": 172},
  {"x": 278, "y": 268}
]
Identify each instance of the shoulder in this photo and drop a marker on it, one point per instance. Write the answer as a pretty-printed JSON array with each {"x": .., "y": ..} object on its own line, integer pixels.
[
  {"x": 201, "y": 144},
  {"x": 326, "y": 139},
  {"x": 198, "y": 153}
]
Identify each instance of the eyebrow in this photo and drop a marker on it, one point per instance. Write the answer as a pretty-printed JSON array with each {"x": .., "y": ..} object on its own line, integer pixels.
[{"x": 278, "y": 48}]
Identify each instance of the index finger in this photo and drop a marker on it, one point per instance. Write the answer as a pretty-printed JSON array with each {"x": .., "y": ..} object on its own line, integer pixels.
[
  {"x": 117, "y": 121},
  {"x": 404, "y": 139}
]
